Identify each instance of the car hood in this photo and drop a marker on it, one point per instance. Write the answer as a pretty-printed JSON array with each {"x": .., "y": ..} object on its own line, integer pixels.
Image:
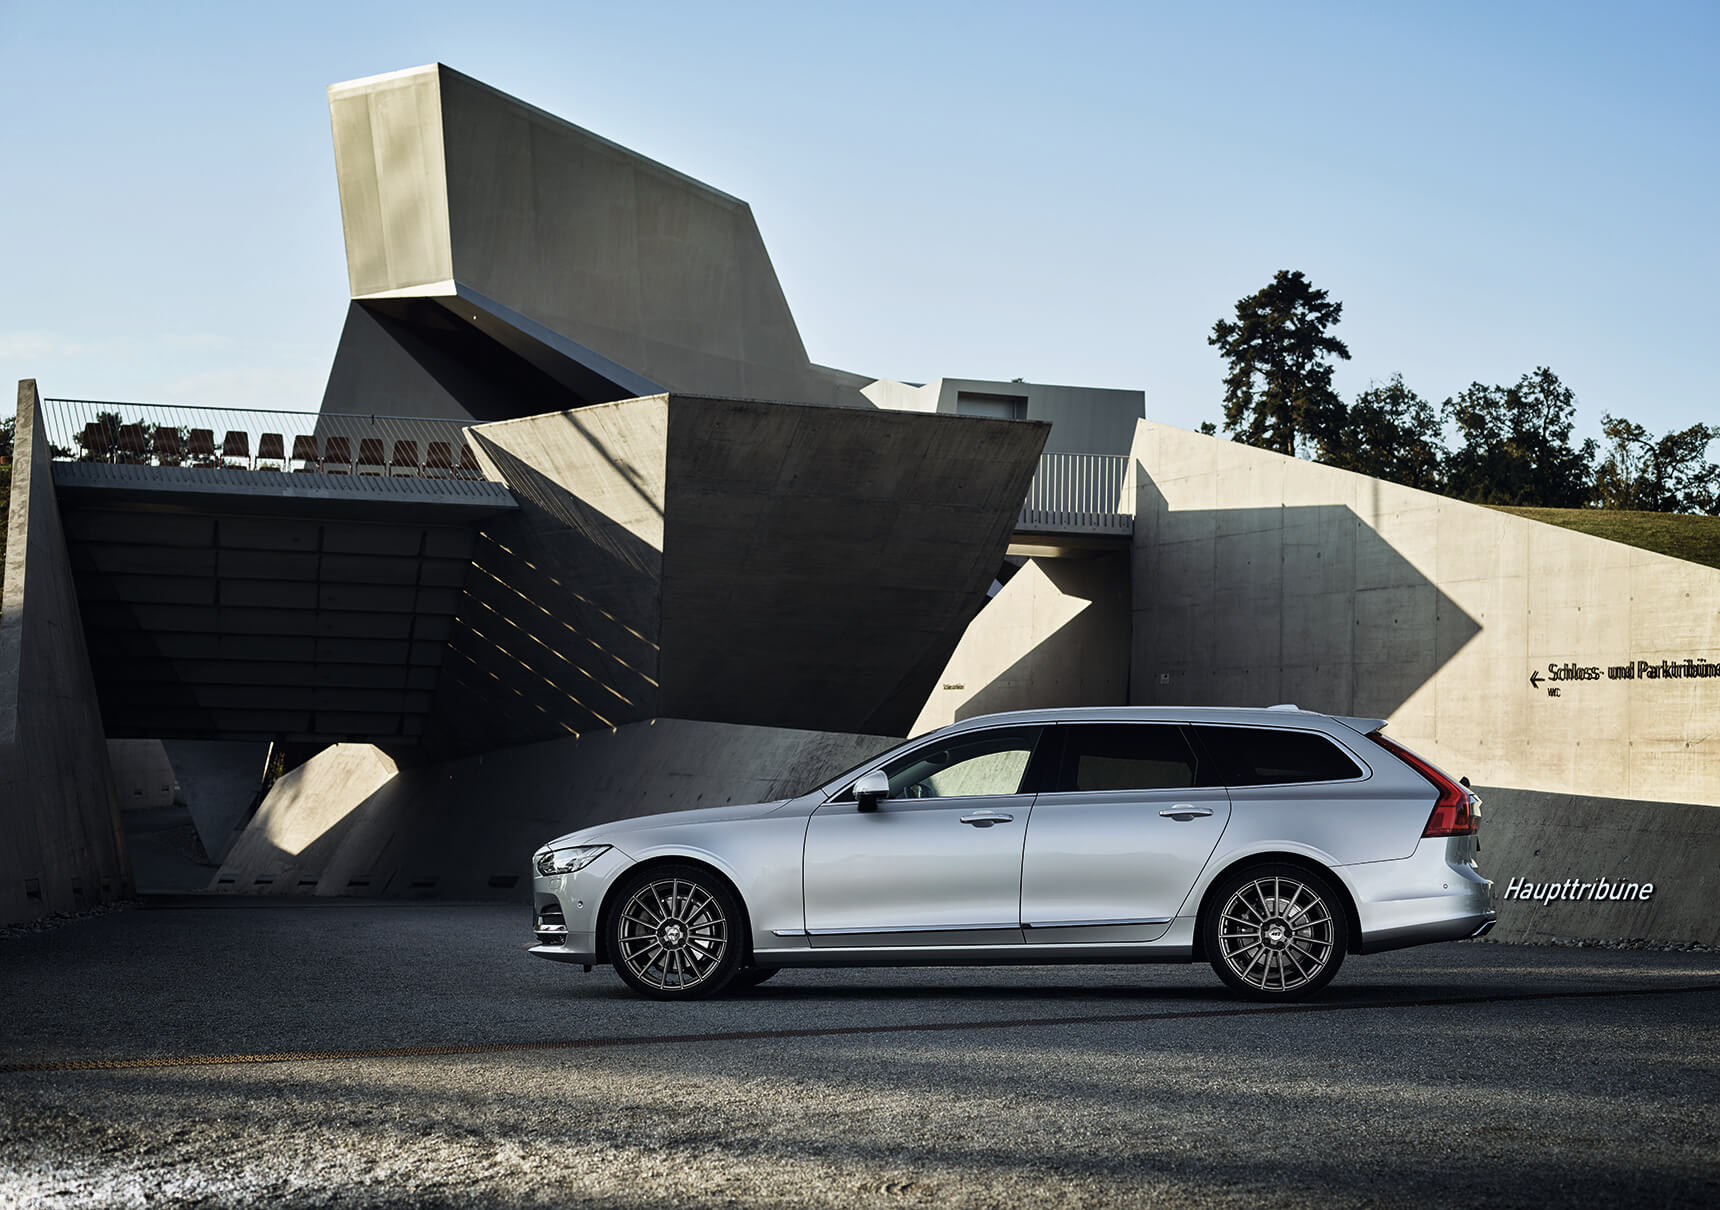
[{"x": 614, "y": 830}]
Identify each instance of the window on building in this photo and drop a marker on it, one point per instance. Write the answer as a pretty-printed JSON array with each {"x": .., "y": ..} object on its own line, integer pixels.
[{"x": 992, "y": 407}]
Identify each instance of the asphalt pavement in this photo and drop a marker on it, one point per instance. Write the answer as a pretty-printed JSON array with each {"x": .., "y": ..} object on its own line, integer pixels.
[{"x": 408, "y": 1055}]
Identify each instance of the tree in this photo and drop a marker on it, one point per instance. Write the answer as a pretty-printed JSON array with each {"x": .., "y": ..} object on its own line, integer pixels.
[
  {"x": 1516, "y": 445},
  {"x": 1671, "y": 475},
  {"x": 1278, "y": 392},
  {"x": 6, "y": 436},
  {"x": 1391, "y": 433}
]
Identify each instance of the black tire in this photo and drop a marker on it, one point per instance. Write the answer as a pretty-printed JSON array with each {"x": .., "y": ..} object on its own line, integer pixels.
[
  {"x": 676, "y": 933},
  {"x": 1275, "y": 932}
]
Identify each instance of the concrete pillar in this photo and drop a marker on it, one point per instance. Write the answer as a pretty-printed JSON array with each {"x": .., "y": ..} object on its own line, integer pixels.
[{"x": 61, "y": 846}]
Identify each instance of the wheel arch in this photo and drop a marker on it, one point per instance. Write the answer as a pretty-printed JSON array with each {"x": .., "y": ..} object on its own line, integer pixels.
[
  {"x": 1352, "y": 917},
  {"x": 612, "y": 899}
]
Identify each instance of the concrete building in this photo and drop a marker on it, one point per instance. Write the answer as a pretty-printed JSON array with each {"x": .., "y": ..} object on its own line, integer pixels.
[
  {"x": 581, "y": 532},
  {"x": 1083, "y": 420}
]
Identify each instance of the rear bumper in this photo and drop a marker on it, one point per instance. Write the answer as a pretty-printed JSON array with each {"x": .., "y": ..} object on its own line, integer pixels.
[
  {"x": 1424, "y": 934},
  {"x": 1435, "y": 894}
]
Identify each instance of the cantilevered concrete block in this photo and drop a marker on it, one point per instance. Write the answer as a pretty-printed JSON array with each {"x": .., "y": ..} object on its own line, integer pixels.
[
  {"x": 528, "y": 264},
  {"x": 729, "y": 560}
]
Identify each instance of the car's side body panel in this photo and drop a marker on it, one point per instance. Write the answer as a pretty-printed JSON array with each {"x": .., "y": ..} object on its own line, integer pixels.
[
  {"x": 913, "y": 867},
  {"x": 1115, "y": 859}
]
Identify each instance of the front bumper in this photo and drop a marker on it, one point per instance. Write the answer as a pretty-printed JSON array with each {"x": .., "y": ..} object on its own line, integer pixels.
[
  {"x": 579, "y": 947},
  {"x": 565, "y": 907}
]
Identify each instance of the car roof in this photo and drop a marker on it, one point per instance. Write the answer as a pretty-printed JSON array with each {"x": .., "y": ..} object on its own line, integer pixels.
[{"x": 1277, "y": 716}]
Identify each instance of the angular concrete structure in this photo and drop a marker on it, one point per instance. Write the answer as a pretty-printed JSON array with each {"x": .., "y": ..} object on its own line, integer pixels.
[
  {"x": 504, "y": 262},
  {"x": 686, "y": 566},
  {"x": 729, "y": 560}
]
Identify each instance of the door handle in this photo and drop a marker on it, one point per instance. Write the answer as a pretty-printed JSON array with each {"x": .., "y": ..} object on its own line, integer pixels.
[
  {"x": 1185, "y": 812},
  {"x": 986, "y": 818}
]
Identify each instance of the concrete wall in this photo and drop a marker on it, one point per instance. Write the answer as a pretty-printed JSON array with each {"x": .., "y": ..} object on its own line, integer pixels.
[
  {"x": 61, "y": 847},
  {"x": 142, "y": 774},
  {"x": 347, "y": 823},
  {"x": 1262, "y": 579},
  {"x": 1056, "y": 635},
  {"x": 1084, "y": 420}
]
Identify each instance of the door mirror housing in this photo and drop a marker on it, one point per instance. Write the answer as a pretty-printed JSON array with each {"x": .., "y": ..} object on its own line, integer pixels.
[{"x": 871, "y": 789}]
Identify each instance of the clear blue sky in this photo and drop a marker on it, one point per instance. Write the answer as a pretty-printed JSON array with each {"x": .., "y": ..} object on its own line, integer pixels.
[{"x": 1068, "y": 193}]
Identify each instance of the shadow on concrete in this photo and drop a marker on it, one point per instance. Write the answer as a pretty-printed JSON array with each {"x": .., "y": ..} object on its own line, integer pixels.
[
  {"x": 1304, "y": 604},
  {"x": 538, "y": 653},
  {"x": 1098, "y": 634}
]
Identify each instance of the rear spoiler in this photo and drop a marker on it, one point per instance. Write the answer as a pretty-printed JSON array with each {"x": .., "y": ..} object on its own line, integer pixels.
[{"x": 1367, "y": 726}]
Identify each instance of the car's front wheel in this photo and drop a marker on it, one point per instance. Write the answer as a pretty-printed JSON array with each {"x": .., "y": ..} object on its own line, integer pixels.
[
  {"x": 1275, "y": 932},
  {"x": 675, "y": 933}
]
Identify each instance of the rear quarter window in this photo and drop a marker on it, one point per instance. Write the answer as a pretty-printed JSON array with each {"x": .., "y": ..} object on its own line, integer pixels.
[{"x": 1266, "y": 756}]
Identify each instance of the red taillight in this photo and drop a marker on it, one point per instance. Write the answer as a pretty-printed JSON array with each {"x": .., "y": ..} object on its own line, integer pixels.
[{"x": 1453, "y": 812}]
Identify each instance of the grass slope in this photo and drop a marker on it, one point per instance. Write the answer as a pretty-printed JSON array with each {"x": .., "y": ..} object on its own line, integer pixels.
[{"x": 1696, "y": 539}]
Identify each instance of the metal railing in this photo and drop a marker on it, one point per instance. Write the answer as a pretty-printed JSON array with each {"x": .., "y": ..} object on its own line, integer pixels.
[
  {"x": 1081, "y": 494},
  {"x": 253, "y": 439},
  {"x": 1070, "y": 493}
]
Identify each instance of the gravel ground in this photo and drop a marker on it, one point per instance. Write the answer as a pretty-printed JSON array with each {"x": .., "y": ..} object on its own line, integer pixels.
[{"x": 1458, "y": 1074}]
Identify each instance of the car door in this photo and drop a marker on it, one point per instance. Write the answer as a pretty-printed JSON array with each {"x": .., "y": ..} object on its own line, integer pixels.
[
  {"x": 1120, "y": 831},
  {"x": 938, "y": 862}
]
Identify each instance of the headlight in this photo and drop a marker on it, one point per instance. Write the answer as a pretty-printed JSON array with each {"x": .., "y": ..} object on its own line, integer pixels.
[{"x": 566, "y": 861}]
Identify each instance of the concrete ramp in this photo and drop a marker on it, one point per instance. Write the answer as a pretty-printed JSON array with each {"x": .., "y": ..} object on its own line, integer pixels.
[{"x": 349, "y": 823}]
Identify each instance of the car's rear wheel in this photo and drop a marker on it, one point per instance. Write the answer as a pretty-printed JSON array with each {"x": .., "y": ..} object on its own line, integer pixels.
[
  {"x": 1275, "y": 932},
  {"x": 676, "y": 933}
]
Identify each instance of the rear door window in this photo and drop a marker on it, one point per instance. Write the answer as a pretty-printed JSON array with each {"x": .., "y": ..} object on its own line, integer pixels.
[
  {"x": 1124, "y": 756},
  {"x": 1268, "y": 756}
]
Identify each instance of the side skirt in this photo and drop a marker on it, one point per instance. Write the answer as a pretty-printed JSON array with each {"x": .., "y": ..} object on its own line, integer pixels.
[{"x": 971, "y": 955}]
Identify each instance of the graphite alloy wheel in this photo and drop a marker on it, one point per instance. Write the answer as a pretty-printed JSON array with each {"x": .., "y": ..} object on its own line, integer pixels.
[
  {"x": 676, "y": 933},
  {"x": 1275, "y": 932}
]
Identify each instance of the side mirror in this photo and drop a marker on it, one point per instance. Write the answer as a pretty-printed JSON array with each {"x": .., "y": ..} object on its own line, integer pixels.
[{"x": 870, "y": 789}]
